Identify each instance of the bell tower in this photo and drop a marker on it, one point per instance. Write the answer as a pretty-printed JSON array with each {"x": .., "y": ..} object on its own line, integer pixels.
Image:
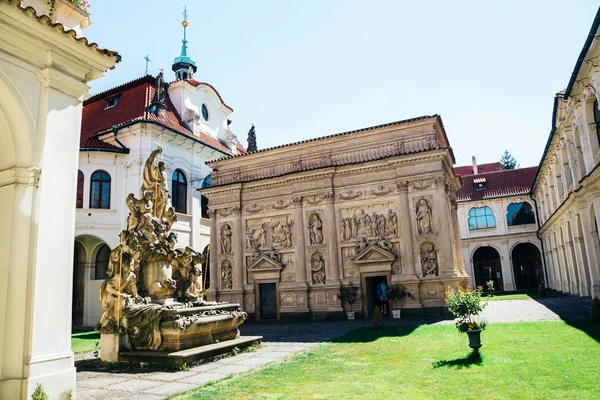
[{"x": 183, "y": 66}]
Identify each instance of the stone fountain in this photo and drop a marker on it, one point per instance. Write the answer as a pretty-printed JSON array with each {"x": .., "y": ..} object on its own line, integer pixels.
[{"x": 153, "y": 296}]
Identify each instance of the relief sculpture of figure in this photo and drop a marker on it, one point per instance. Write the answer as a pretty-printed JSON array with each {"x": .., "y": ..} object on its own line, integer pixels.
[
  {"x": 263, "y": 235},
  {"x": 347, "y": 228},
  {"x": 381, "y": 224},
  {"x": 249, "y": 237},
  {"x": 383, "y": 243},
  {"x": 374, "y": 225},
  {"x": 226, "y": 239},
  {"x": 392, "y": 223},
  {"x": 423, "y": 217},
  {"x": 155, "y": 180},
  {"x": 226, "y": 275},
  {"x": 368, "y": 226},
  {"x": 185, "y": 273},
  {"x": 362, "y": 244},
  {"x": 315, "y": 227},
  {"x": 429, "y": 264},
  {"x": 318, "y": 270}
]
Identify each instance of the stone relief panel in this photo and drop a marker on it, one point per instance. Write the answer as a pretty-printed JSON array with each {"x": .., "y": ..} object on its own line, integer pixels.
[
  {"x": 370, "y": 221},
  {"x": 226, "y": 234},
  {"x": 317, "y": 268},
  {"x": 423, "y": 214},
  {"x": 289, "y": 271},
  {"x": 351, "y": 271},
  {"x": 288, "y": 299},
  {"x": 431, "y": 291},
  {"x": 282, "y": 234},
  {"x": 315, "y": 229},
  {"x": 226, "y": 275},
  {"x": 264, "y": 233},
  {"x": 249, "y": 300},
  {"x": 429, "y": 260}
]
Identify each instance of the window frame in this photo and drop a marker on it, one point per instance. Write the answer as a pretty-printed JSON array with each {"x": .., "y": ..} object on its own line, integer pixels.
[
  {"x": 473, "y": 215},
  {"x": 177, "y": 184},
  {"x": 101, "y": 191},
  {"x": 79, "y": 191},
  {"x": 522, "y": 203},
  {"x": 98, "y": 276}
]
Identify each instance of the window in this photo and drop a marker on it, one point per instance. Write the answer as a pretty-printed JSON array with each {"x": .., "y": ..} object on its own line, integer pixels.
[
  {"x": 80, "y": 179},
  {"x": 481, "y": 218},
  {"x": 597, "y": 119},
  {"x": 102, "y": 262},
  {"x": 100, "y": 190},
  {"x": 204, "y": 199},
  {"x": 111, "y": 102},
  {"x": 479, "y": 186},
  {"x": 205, "y": 112},
  {"x": 179, "y": 191},
  {"x": 519, "y": 214}
]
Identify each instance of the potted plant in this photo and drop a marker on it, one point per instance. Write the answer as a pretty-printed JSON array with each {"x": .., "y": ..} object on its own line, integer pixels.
[
  {"x": 349, "y": 294},
  {"x": 397, "y": 293},
  {"x": 490, "y": 288},
  {"x": 466, "y": 304}
]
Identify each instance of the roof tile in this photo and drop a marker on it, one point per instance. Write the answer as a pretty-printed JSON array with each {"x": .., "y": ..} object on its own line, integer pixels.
[{"x": 508, "y": 182}]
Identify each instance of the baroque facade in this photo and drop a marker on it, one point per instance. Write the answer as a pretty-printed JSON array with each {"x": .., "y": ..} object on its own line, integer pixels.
[
  {"x": 289, "y": 224},
  {"x": 498, "y": 227},
  {"x": 45, "y": 65},
  {"x": 567, "y": 186}
]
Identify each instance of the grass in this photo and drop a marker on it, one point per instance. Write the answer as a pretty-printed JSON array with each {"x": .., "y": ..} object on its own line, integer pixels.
[
  {"x": 84, "y": 341},
  {"x": 512, "y": 296},
  {"x": 540, "y": 360}
]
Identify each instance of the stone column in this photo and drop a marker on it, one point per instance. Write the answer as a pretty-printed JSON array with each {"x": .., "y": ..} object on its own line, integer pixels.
[
  {"x": 443, "y": 228},
  {"x": 470, "y": 271},
  {"x": 564, "y": 268},
  {"x": 549, "y": 272},
  {"x": 507, "y": 267},
  {"x": 300, "y": 256},
  {"x": 556, "y": 261},
  {"x": 592, "y": 249},
  {"x": 407, "y": 257},
  {"x": 333, "y": 270},
  {"x": 238, "y": 243},
  {"x": 214, "y": 248},
  {"x": 571, "y": 263},
  {"x": 459, "y": 260}
]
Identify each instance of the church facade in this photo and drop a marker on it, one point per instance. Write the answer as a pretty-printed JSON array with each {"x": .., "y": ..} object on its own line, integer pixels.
[{"x": 292, "y": 223}]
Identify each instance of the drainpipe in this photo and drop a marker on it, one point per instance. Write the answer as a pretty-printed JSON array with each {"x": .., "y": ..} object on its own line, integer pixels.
[{"x": 115, "y": 129}]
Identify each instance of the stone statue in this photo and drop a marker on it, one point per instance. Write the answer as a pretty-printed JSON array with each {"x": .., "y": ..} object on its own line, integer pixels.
[
  {"x": 262, "y": 239},
  {"x": 118, "y": 287},
  {"x": 155, "y": 181},
  {"x": 392, "y": 223},
  {"x": 423, "y": 217},
  {"x": 249, "y": 237},
  {"x": 186, "y": 274},
  {"x": 226, "y": 234},
  {"x": 170, "y": 217},
  {"x": 158, "y": 106},
  {"x": 347, "y": 228},
  {"x": 381, "y": 229},
  {"x": 251, "y": 140},
  {"x": 315, "y": 227},
  {"x": 318, "y": 269},
  {"x": 274, "y": 254},
  {"x": 429, "y": 263},
  {"x": 226, "y": 275},
  {"x": 362, "y": 244},
  {"x": 374, "y": 225},
  {"x": 287, "y": 232},
  {"x": 383, "y": 243},
  {"x": 368, "y": 225}
]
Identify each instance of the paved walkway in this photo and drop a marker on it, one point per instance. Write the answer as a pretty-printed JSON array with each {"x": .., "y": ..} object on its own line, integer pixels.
[{"x": 283, "y": 340}]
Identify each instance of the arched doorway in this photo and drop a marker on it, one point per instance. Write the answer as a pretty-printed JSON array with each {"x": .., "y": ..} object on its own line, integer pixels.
[
  {"x": 487, "y": 266},
  {"x": 527, "y": 266}
]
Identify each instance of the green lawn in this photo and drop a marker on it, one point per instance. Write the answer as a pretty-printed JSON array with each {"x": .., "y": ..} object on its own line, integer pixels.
[
  {"x": 543, "y": 360},
  {"x": 84, "y": 341},
  {"x": 512, "y": 296}
]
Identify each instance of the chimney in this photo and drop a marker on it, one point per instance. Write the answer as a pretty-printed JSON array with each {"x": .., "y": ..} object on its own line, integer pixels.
[{"x": 474, "y": 166}]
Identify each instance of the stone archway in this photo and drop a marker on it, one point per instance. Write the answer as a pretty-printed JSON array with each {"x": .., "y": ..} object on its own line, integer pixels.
[
  {"x": 527, "y": 266},
  {"x": 487, "y": 266}
]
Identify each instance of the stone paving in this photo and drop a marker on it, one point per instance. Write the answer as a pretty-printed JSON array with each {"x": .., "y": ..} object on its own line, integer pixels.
[{"x": 285, "y": 339}]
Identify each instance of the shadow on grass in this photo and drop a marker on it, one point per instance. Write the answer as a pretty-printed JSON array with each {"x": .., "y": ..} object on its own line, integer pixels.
[
  {"x": 474, "y": 358},
  {"x": 591, "y": 328},
  {"x": 86, "y": 335},
  {"x": 368, "y": 334}
]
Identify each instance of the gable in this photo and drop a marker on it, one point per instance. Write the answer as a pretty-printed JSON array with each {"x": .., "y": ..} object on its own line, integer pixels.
[{"x": 374, "y": 253}]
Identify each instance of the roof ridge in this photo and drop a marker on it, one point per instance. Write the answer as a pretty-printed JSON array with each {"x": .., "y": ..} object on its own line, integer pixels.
[
  {"x": 118, "y": 88},
  {"x": 500, "y": 170}
]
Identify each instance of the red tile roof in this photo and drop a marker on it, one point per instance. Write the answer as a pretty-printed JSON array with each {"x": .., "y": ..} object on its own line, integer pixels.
[
  {"x": 509, "y": 182},
  {"x": 481, "y": 168},
  {"x": 133, "y": 106}
]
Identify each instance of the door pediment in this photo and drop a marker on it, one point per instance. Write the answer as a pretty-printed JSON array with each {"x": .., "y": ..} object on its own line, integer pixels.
[
  {"x": 374, "y": 254},
  {"x": 264, "y": 263}
]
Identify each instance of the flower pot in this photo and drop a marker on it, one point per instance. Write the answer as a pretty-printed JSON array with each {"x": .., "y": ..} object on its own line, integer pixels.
[
  {"x": 474, "y": 339},
  {"x": 396, "y": 314},
  {"x": 350, "y": 314}
]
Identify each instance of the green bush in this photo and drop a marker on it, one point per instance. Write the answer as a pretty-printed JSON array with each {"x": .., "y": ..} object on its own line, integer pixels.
[
  {"x": 377, "y": 322},
  {"x": 39, "y": 393},
  {"x": 465, "y": 304}
]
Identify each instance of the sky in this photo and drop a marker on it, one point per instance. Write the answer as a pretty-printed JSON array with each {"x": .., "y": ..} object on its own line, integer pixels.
[{"x": 304, "y": 69}]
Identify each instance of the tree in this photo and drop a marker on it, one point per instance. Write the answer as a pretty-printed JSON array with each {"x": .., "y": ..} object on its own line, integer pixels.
[{"x": 508, "y": 161}]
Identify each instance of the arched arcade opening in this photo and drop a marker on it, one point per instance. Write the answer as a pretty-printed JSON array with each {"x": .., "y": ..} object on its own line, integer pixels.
[
  {"x": 527, "y": 266},
  {"x": 487, "y": 266}
]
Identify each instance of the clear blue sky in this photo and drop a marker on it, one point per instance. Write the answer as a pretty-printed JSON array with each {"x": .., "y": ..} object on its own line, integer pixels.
[{"x": 303, "y": 69}]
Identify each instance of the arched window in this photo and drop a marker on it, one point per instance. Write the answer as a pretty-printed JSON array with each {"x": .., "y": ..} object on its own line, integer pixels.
[
  {"x": 597, "y": 119},
  {"x": 179, "y": 190},
  {"x": 102, "y": 262},
  {"x": 481, "y": 218},
  {"x": 519, "y": 214},
  {"x": 80, "y": 179},
  {"x": 100, "y": 190},
  {"x": 203, "y": 198}
]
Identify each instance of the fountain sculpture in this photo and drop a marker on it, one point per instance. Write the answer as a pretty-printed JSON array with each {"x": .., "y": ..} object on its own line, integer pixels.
[{"x": 153, "y": 297}]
